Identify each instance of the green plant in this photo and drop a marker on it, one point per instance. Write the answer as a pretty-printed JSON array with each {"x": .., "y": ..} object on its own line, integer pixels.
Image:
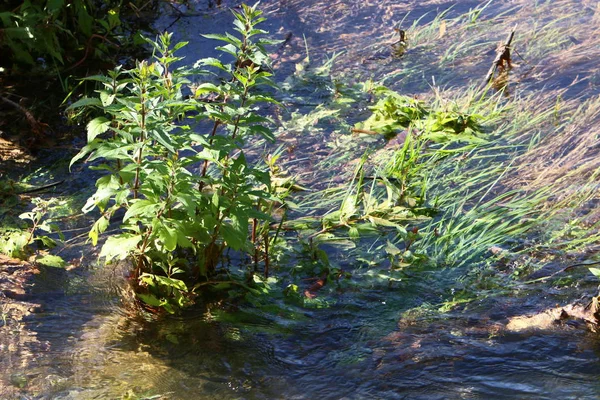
[
  {"x": 36, "y": 217},
  {"x": 394, "y": 113},
  {"x": 186, "y": 196},
  {"x": 16, "y": 242},
  {"x": 55, "y": 29}
]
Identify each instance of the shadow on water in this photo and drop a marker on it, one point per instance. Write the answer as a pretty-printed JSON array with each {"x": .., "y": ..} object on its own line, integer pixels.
[{"x": 366, "y": 343}]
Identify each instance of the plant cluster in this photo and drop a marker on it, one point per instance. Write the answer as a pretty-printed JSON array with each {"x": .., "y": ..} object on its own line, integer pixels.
[
  {"x": 395, "y": 112},
  {"x": 389, "y": 193},
  {"x": 56, "y": 31},
  {"x": 177, "y": 174}
]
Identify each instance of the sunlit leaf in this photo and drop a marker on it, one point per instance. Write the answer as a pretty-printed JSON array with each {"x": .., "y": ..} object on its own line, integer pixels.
[
  {"x": 96, "y": 127},
  {"x": 119, "y": 246}
]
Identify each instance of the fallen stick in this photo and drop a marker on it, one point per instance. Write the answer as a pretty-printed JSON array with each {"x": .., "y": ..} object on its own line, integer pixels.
[
  {"x": 503, "y": 55},
  {"x": 41, "y": 188},
  {"x": 365, "y": 131},
  {"x": 36, "y": 127},
  {"x": 560, "y": 271}
]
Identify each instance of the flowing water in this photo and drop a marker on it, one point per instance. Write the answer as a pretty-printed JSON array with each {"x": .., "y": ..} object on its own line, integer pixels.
[{"x": 84, "y": 343}]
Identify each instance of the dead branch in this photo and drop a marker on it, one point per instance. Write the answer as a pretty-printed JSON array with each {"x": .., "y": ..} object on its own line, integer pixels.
[
  {"x": 88, "y": 48},
  {"x": 365, "y": 131},
  {"x": 42, "y": 188},
  {"x": 502, "y": 60},
  {"x": 36, "y": 126}
]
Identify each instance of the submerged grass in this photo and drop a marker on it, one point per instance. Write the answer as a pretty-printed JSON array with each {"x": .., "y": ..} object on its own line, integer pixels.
[{"x": 527, "y": 195}]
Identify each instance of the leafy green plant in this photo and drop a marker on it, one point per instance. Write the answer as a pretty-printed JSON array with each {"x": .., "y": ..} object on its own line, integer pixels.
[
  {"x": 36, "y": 218},
  {"x": 51, "y": 28},
  {"x": 394, "y": 113},
  {"x": 17, "y": 241},
  {"x": 183, "y": 195}
]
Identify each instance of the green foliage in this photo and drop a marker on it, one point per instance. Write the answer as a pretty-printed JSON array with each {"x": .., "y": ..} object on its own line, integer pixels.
[
  {"x": 17, "y": 241},
  {"x": 187, "y": 192},
  {"x": 53, "y": 29},
  {"x": 395, "y": 112},
  {"x": 390, "y": 197},
  {"x": 8, "y": 197}
]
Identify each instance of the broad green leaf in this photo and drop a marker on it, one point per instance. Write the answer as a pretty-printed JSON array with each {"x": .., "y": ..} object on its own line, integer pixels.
[
  {"x": 228, "y": 48},
  {"x": 141, "y": 208},
  {"x": 99, "y": 226},
  {"x": 168, "y": 236},
  {"x": 54, "y": 5},
  {"x": 234, "y": 238},
  {"x": 153, "y": 280},
  {"x": 382, "y": 222},
  {"x": 211, "y": 62},
  {"x": 391, "y": 249},
  {"x": 85, "y": 102},
  {"x": 51, "y": 261},
  {"x": 179, "y": 46},
  {"x": 206, "y": 88},
  {"x": 96, "y": 127},
  {"x": 106, "y": 98},
  {"x": 163, "y": 138},
  {"x": 224, "y": 38},
  {"x": 93, "y": 235},
  {"x": 183, "y": 241},
  {"x": 47, "y": 241},
  {"x": 150, "y": 299},
  {"x": 119, "y": 246}
]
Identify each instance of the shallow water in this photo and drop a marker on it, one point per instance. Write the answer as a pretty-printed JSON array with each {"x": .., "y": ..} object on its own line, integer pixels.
[{"x": 85, "y": 344}]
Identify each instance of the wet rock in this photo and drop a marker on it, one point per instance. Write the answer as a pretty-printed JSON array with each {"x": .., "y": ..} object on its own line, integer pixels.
[{"x": 550, "y": 319}]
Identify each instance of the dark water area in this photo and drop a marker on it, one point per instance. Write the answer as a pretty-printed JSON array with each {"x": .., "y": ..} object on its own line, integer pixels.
[{"x": 365, "y": 340}]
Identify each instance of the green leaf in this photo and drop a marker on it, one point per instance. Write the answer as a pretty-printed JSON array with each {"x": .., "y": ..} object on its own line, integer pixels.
[
  {"x": 263, "y": 131},
  {"x": 383, "y": 222},
  {"x": 96, "y": 127},
  {"x": 595, "y": 271},
  {"x": 84, "y": 151},
  {"x": 163, "y": 138},
  {"x": 229, "y": 39},
  {"x": 99, "y": 226},
  {"x": 51, "y": 261},
  {"x": 234, "y": 238},
  {"x": 211, "y": 62},
  {"x": 54, "y": 5},
  {"x": 84, "y": 20},
  {"x": 85, "y": 102},
  {"x": 206, "y": 88},
  {"x": 106, "y": 98},
  {"x": 119, "y": 246},
  {"x": 149, "y": 299},
  {"x": 228, "y": 48},
  {"x": 169, "y": 238},
  {"x": 141, "y": 208},
  {"x": 179, "y": 46},
  {"x": 47, "y": 241},
  {"x": 172, "y": 283},
  {"x": 391, "y": 249}
]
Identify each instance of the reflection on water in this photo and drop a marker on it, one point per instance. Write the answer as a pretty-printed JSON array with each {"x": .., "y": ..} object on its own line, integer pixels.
[{"x": 84, "y": 344}]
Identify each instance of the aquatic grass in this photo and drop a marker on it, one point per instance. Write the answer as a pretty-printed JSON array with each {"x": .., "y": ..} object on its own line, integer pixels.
[
  {"x": 477, "y": 196},
  {"x": 567, "y": 157}
]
